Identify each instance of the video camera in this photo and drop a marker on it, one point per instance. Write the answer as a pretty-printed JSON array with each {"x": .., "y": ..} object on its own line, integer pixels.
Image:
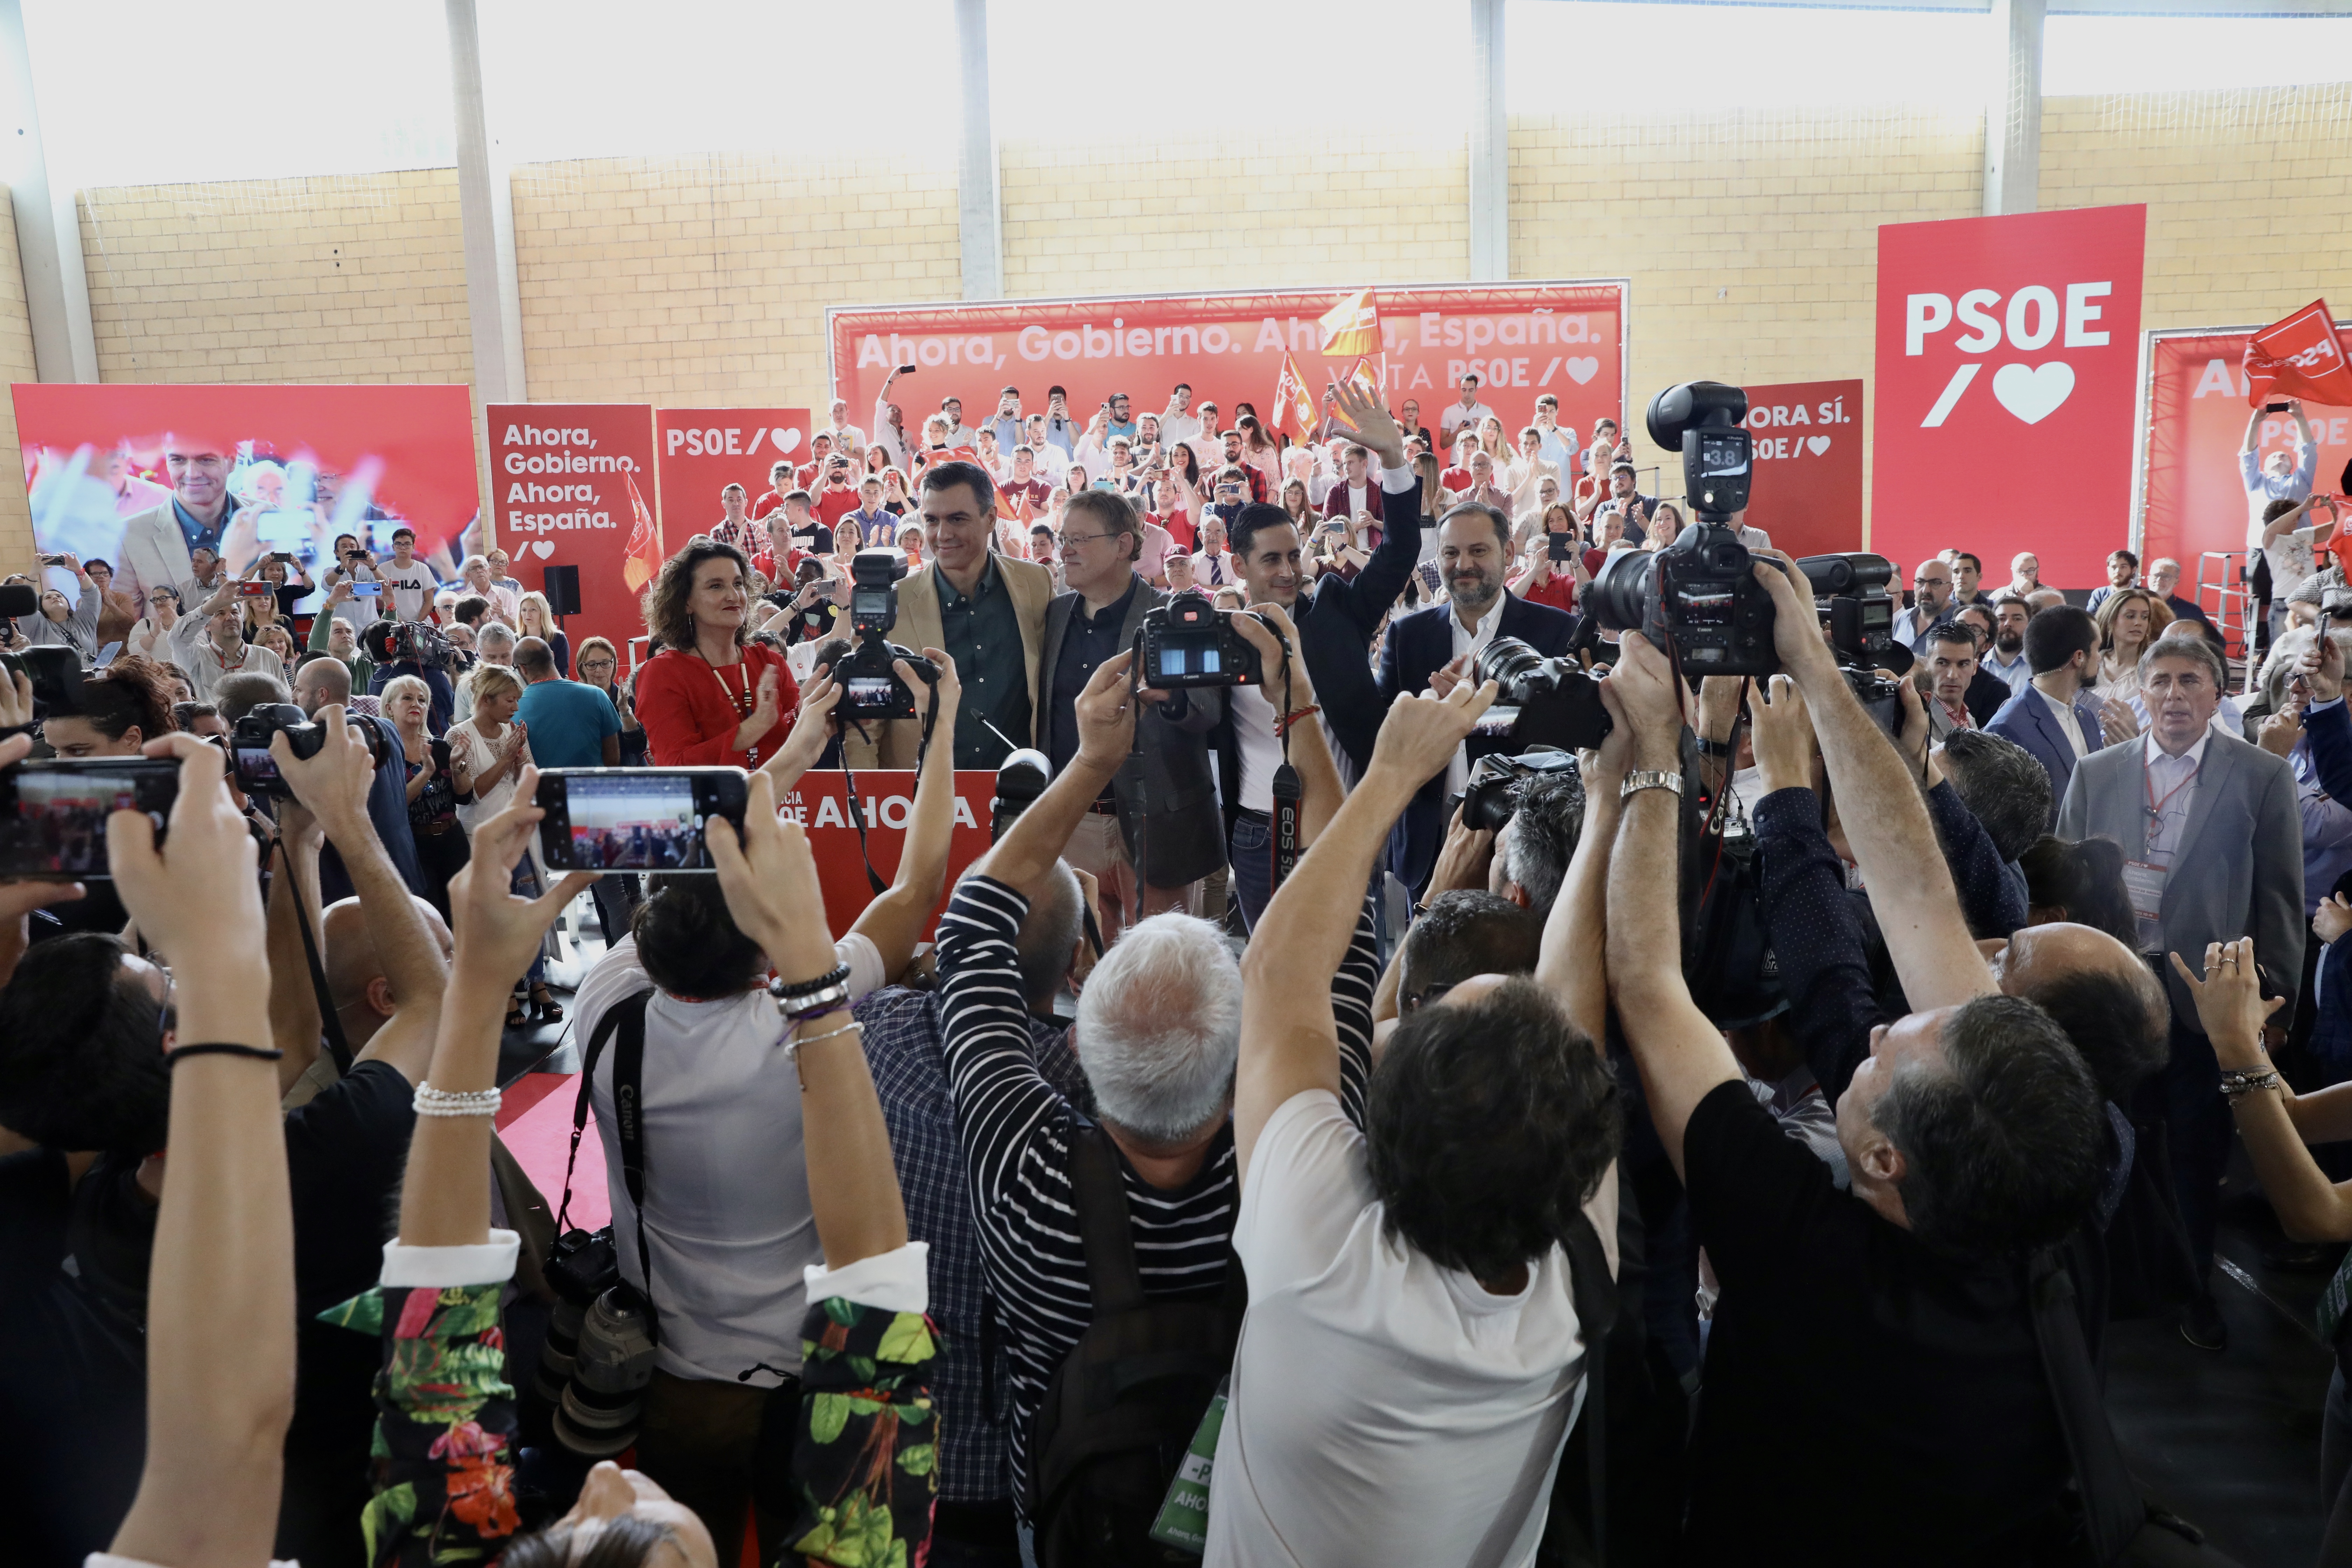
[
  {"x": 256, "y": 770},
  {"x": 1188, "y": 641},
  {"x": 1497, "y": 783},
  {"x": 419, "y": 643},
  {"x": 870, "y": 687}
]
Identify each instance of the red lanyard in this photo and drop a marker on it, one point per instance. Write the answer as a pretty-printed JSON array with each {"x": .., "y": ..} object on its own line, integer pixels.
[{"x": 2155, "y": 806}]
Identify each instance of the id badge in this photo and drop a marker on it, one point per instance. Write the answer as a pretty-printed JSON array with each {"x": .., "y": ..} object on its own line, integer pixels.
[
  {"x": 1183, "y": 1518},
  {"x": 2144, "y": 884}
]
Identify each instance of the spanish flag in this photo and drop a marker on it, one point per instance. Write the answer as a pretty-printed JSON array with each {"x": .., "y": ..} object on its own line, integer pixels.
[
  {"x": 641, "y": 562},
  {"x": 1292, "y": 404},
  {"x": 1352, "y": 326}
]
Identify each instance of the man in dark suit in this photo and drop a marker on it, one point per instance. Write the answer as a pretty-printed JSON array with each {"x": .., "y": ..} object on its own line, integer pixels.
[
  {"x": 1433, "y": 649},
  {"x": 1162, "y": 804},
  {"x": 2212, "y": 841},
  {"x": 2056, "y": 718}
]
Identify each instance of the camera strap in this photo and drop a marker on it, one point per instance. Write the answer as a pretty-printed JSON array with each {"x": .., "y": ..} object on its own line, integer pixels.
[
  {"x": 1288, "y": 792},
  {"x": 338, "y": 1045},
  {"x": 849, "y": 785},
  {"x": 628, "y": 1016}
]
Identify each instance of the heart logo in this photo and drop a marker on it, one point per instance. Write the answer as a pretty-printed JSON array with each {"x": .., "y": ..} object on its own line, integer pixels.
[
  {"x": 2034, "y": 395},
  {"x": 1581, "y": 371},
  {"x": 785, "y": 440},
  {"x": 542, "y": 548},
  {"x": 1817, "y": 444}
]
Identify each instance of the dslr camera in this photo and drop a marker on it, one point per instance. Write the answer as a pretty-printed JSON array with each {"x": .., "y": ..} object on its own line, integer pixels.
[
  {"x": 870, "y": 687},
  {"x": 1188, "y": 641},
  {"x": 256, "y": 770},
  {"x": 1497, "y": 783},
  {"x": 1543, "y": 704},
  {"x": 419, "y": 643}
]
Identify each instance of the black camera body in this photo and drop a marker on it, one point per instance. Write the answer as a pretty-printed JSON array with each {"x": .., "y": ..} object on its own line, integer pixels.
[
  {"x": 1188, "y": 641},
  {"x": 1491, "y": 797},
  {"x": 419, "y": 643},
  {"x": 1542, "y": 704},
  {"x": 256, "y": 770},
  {"x": 1698, "y": 595},
  {"x": 870, "y": 687}
]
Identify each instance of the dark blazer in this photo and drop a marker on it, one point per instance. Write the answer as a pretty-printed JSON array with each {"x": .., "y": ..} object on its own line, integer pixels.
[
  {"x": 2026, "y": 719},
  {"x": 2239, "y": 869},
  {"x": 1418, "y": 646},
  {"x": 1169, "y": 783},
  {"x": 1985, "y": 696}
]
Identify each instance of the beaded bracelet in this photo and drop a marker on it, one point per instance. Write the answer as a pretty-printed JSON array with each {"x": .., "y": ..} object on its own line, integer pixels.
[
  {"x": 432, "y": 1101},
  {"x": 221, "y": 1048},
  {"x": 783, "y": 991}
]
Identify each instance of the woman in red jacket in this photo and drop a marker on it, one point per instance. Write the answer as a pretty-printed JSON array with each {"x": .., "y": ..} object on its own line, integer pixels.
[{"x": 707, "y": 698}]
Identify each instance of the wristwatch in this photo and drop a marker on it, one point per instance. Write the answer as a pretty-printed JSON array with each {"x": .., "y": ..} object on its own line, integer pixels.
[{"x": 1648, "y": 778}]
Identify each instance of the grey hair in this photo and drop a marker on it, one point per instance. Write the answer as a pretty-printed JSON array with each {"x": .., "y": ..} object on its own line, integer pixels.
[
  {"x": 494, "y": 630},
  {"x": 2189, "y": 647},
  {"x": 1159, "y": 1027}
]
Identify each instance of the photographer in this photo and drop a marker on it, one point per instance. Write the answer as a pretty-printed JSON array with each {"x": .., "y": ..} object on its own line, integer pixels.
[
  {"x": 1165, "y": 803},
  {"x": 1435, "y": 650},
  {"x": 404, "y": 648},
  {"x": 726, "y": 1211},
  {"x": 1884, "y": 1333}
]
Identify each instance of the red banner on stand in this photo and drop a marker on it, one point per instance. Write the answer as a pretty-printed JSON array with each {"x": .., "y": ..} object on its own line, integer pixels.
[
  {"x": 2007, "y": 351},
  {"x": 819, "y": 801},
  {"x": 1807, "y": 492},
  {"x": 560, "y": 472},
  {"x": 704, "y": 450},
  {"x": 2193, "y": 496},
  {"x": 1521, "y": 339}
]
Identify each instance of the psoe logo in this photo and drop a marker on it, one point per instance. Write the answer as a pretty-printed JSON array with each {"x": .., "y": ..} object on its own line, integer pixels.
[{"x": 2032, "y": 318}]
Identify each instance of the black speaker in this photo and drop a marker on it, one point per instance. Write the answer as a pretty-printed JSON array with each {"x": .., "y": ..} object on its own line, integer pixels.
[{"x": 562, "y": 587}]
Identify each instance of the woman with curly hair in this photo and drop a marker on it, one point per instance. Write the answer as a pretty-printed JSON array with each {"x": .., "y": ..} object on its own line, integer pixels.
[{"x": 707, "y": 698}]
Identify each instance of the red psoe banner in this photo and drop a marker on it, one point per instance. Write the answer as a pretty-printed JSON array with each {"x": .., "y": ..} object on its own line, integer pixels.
[
  {"x": 1807, "y": 492},
  {"x": 2007, "y": 352},
  {"x": 704, "y": 450},
  {"x": 819, "y": 801},
  {"x": 1521, "y": 339},
  {"x": 308, "y": 461},
  {"x": 2193, "y": 494},
  {"x": 560, "y": 472}
]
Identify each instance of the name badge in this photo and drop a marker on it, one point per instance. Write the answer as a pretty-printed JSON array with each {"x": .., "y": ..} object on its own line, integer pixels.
[{"x": 2144, "y": 884}]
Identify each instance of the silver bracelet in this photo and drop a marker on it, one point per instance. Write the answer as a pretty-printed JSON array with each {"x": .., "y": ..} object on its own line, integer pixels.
[
  {"x": 832, "y": 999},
  {"x": 432, "y": 1101},
  {"x": 793, "y": 1041},
  {"x": 2238, "y": 1084}
]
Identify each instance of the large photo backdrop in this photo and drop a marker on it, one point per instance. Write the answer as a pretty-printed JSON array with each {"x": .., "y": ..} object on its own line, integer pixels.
[{"x": 1522, "y": 339}]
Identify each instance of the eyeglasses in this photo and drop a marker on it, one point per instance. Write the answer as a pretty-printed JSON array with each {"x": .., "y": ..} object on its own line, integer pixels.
[
  {"x": 597, "y": 664},
  {"x": 1087, "y": 538}
]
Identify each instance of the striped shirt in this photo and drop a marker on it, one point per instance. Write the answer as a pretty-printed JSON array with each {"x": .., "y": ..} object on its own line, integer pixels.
[{"x": 1016, "y": 1129}]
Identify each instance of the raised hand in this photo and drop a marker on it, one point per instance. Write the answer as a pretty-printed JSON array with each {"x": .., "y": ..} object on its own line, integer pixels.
[
  {"x": 499, "y": 932},
  {"x": 1372, "y": 421},
  {"x": 769, "y": 877},
  {"x": 1420, "y": 734},
  {"x": 1783, "y": 730},
  {"x": 2230, "y": 1003}
]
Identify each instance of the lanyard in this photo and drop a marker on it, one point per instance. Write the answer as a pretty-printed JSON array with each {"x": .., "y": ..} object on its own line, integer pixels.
[{"x": 2155, "y": 806}]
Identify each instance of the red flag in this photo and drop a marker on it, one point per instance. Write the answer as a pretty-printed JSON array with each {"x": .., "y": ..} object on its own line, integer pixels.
[
  {"x": 642, "y": 559},
  {"x": 2302, "y": 356},
  {"x": 1352, "y": 326},
  {"x": 1291, "y": 403}
]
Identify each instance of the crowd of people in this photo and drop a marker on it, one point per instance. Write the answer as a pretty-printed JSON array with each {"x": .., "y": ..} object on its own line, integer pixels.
[{"x": 1265, "y": 1157}]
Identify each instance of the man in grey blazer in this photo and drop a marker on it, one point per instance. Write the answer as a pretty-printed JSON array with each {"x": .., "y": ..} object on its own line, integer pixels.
[
  {"x": 2212, "y": 842},
  {"x": 1162, "y": 803}
]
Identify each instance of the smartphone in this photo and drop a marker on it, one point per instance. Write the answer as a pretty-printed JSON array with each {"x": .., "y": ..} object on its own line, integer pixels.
[
  {"x": 2277, "y": 407},
  {"x": 282, "y": 555},
  {"x": 367, "y": 590},
  {"x": 1560, "y": 545},
  {"x": 906, "y": 370},
  {"x": 635, "y": 820},
  {"x": 53, "y": 815}
]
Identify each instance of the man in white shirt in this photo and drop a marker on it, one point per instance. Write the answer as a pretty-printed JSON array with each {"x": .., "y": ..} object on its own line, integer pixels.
[
  {"x": 889, "y": 424},
  {"x": 1558, "y": 443},
  {"x": 1413, "y": 1300},
  {"x": 846, "y": 438},
  {"x": 209, "y": 643},
  {"x": 2282, "y": 476},
  {"x": 1212, "y": 565},
  {"x": 1177, "y": 423},
  {"x": 407, "y": 583},
  {"x": 1466, "y": 410},
  {"x": 1052, "y": 462}
]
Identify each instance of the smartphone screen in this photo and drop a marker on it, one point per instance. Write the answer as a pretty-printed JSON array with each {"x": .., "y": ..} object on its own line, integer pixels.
[
  {"x": 367, "y": 590},
  {"x": 53, "y": 815},
  {"x": 1559, "y": 544},
  {"x": 635, "y": 819}
]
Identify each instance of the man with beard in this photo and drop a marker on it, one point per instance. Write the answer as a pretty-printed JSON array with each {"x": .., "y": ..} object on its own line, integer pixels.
[
  {"x": 2006, "y": 657},
  {"x": 1436, "y": 649}
]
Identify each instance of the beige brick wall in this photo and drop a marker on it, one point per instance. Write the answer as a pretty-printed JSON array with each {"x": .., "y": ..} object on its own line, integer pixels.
[
  {"x": 706, "y": 280},
  {"x": 16, "y": 365},
  {"x": 1103, "y": 217},
  {"x": 349, "y": 278}
]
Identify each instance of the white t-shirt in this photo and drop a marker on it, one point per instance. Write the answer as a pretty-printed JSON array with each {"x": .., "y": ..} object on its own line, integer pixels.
[
  {"x": 1261, "y": 753},
  {"x": 408, "y": 590},
  {"x": 1452, "y": 416},
  {"x": 480, "y": 752},
  {"x": 726, "y": 1177},
  {"x": 1383, "y": 1408}
]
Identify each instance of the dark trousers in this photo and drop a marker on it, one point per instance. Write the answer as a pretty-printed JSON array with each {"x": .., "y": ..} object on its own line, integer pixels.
[
  {"x": 1250, "y": 852},
  {"x": 974, "y": 1535},
  {"x": 700, "y": 1441},
  {"x": 2189, "y": 1091},
  {"x": 617, "y": 895}
]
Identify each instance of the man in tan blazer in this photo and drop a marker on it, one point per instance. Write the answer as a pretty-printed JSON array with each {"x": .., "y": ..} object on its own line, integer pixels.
[
  {"x": 986, "y": 610},
  {"x": 155, "y": 542}
]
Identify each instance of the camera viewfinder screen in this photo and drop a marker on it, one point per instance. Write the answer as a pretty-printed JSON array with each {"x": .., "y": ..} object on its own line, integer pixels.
[
  {"x": 870, "y": 690},
  {"x": 641, "y": 823},
  {"x": 59, "y": 824},
  {"x": 256, "y": 767},
  {"x": 1189, "y": 653}
]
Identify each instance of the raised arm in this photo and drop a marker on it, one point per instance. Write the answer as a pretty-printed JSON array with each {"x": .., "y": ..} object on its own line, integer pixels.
[
  {"x": 220, "y": 1294},
  {"x": 1030, "y": 847},
  {"x": 1289, "y": 1041},
  {"x": 1681, "y": 1057},
  {"x": 894, "y": 921},
  {"x": 294, "y": 1020},
  {"x": 334, "y": 785},
  {"x": 1885, "y": 821},
  {"x": 1573, "y": 961}
]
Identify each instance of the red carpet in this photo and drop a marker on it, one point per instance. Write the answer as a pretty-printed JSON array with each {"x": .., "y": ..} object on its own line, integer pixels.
[{"x": 536, "y": 1122}]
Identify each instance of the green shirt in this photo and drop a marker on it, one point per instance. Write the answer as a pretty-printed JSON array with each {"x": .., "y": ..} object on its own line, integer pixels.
[{"x": 982, "y": 635}]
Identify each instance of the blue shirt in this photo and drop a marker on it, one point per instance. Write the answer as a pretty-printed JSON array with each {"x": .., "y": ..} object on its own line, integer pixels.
[
  {"x": 387, "y": 808},
  {"x": 1116, "y": 429},
  {"x": 203, "y": 536},
  {"x": 878, "y": 528},
  {"x": 568, "y": 723}
]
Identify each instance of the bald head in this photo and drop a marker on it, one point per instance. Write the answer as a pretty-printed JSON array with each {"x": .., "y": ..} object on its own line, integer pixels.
[
  {"x": 355, "y": 977},
  {"x": 2100, "y": 993},
  {"x": 321, "y": 682}
]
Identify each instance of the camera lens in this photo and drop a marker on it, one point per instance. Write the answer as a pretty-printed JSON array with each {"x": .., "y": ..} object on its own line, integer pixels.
[
  {"x": 1507, "y": 661},
  {"x": 1624, "y": 590}
]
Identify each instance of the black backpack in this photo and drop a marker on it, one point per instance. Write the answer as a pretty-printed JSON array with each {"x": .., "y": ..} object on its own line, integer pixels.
[{"x": 1123, "y": 1407}]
